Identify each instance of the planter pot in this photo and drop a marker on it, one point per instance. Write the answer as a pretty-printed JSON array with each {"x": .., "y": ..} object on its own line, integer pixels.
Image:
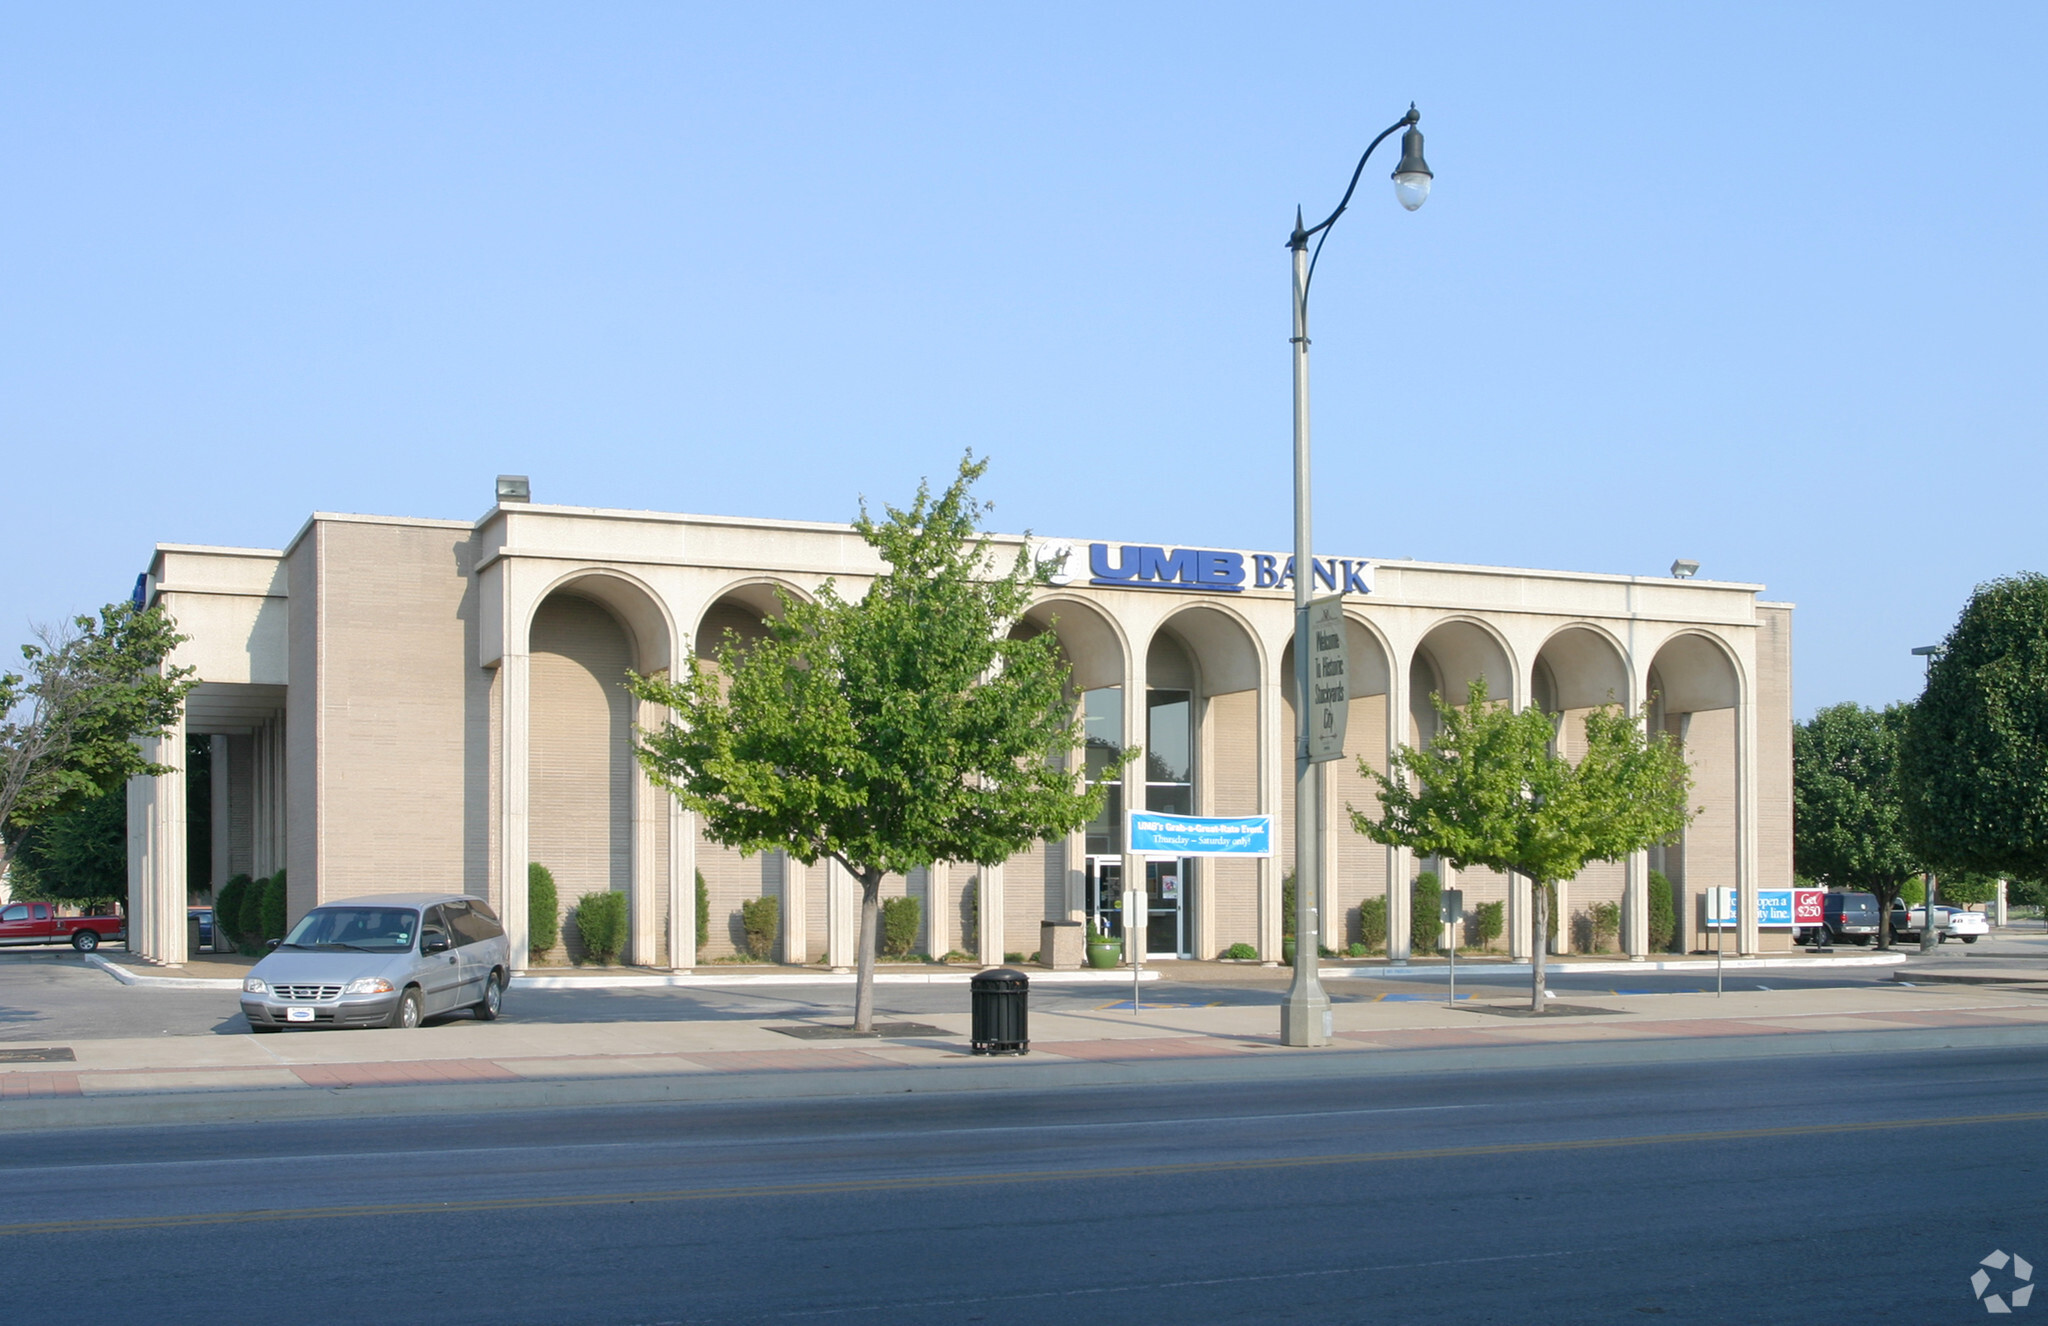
[
  {"x": 1105, "y": 953},
  {"x": 1287, "y": 952}
]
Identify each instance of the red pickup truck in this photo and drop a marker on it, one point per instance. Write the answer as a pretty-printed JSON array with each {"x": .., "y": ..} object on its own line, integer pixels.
[{"x": 38, "y": 923}]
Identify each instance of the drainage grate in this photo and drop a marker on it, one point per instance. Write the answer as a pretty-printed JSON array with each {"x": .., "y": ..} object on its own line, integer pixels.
[
  {"x": 47, "y": 1054},
  {"x": 882, "y": 1031}
]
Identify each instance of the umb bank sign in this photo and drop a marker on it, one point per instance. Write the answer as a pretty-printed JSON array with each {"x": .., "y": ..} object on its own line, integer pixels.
[{"x": 1206, "y": 570}]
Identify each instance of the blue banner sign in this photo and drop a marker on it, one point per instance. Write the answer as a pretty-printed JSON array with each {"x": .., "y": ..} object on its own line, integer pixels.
[
  {"x": 1781, "y": 908},
  {"x": 1155, "y": 834},
  {"x": 1216, "y": 571}
]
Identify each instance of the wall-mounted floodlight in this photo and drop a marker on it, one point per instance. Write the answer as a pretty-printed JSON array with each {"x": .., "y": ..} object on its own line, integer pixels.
[
  {"x": 1926, "y": 651},
  {"x": 514, "y": 488},
  {"x": 1684, "y": 569}
]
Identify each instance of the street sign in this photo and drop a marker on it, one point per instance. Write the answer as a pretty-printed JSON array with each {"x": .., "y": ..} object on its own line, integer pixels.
[
  {"x": 1329, "y": 679},
  {"x": 1453, "y": 905}
]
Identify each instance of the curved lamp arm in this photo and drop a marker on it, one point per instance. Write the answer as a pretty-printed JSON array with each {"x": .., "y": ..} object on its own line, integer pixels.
[{"x": 1299, "y": 239}]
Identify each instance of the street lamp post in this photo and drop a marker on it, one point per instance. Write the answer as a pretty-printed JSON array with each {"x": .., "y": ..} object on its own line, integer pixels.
[
  {"x": 1928, "y": 937},
  {"x": 1305, "y": 1014}
]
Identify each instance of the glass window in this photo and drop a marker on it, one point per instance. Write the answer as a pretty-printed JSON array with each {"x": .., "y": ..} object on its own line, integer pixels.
[
  {"x": 434, "y": 925},
  {"x": 370, "y": 929},
  {"x": 1169, "y": 745},
  {"x": 1102, "y": 712},
  {"x": 472, "y": 922},
  {"x": 18, "y": 912},
  {"x": 42, "y": 912}
]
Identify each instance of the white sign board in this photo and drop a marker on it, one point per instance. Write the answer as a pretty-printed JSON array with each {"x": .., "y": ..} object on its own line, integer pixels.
[{"x": 1329, "y": 679}]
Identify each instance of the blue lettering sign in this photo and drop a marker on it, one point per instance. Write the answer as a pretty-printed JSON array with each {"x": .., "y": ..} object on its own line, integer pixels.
[{"x": 1218, "y": 571}]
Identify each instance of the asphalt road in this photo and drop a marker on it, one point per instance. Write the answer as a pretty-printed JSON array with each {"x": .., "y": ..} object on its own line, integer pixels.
[{"x": 1778, "y": 1191}]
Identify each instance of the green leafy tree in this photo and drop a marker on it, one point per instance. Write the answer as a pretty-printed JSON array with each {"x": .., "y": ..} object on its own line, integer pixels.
[
  {"x": 80, "y": 856},
  {"x": 70, "y": 723},
  {"x": 888, "y": 732},
  {"x": 1973, "y": 762},
  {"x": 1491, "y": 792},
  {"x": 1848, "y": 811}
]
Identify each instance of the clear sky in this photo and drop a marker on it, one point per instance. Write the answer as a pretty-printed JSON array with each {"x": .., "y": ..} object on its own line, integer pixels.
[{"x": 1762, "y": 286}]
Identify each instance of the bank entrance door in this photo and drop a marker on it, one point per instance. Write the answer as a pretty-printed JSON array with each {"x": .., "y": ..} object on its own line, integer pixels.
[{"x": 1166, "y": 893}]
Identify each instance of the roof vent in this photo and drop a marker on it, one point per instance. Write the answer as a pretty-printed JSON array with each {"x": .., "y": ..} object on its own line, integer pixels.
[{"x": 514, "y": 488}]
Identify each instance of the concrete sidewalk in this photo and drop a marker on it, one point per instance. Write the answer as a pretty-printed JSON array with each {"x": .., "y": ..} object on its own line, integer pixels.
[{"x": 462, "y": 1064}]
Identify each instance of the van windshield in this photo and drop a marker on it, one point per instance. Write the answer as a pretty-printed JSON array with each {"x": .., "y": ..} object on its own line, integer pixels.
[{"x": 368, "y": 929}]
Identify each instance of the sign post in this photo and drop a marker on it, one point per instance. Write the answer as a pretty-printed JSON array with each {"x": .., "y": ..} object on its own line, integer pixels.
[
  {"x": 1453, "y": 913},
  {"x": 1721, "y": 905}
]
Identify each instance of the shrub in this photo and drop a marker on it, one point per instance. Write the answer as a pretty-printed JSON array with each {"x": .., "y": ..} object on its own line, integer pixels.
[
  {"x": 970, "y": 916},
  {"x": 703, "y": 913},
  {"x": 601, "y": 921},
  {"x": 227, "y": 908},
  {"x": 761, "y": 919},
  {"x": 1663, "y": 913},
  {"x": 272, "y": 917},
  {"x": 543, "y": 910},
  {"x": 1287, "y": 905},
  {"x": 1372, "y": 923},
  {"x": 900, "y": 919},
  {"x": 1484, "y": 923},
  {"x": 1015, "y": 957},
  {"x": 1425, "y": 913},
  {"x": 1358, "y": 950},
  {"x": 1550, "y": 894},
  {"x": 1241, "y": 952},
  {"x": 1606, "y": 918},
  {"x": 249, "y": 916}
]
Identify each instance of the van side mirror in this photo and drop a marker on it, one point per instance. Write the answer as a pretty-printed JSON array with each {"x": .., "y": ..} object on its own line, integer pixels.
[
  {"x": 275, "y": 942},
  {"x": 434, "y": 944}
]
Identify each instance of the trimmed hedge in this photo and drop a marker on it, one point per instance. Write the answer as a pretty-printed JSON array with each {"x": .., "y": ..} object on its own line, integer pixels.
[
  {"x": 761, "y": 919},
  {"x": 703, "y": 914},
  {"x": 601, "y": 921},
  {"x": 249, "y": 915},
  {"x": 1372, "y": 923},
  {"x": 543, "y": 910},
  {"x": 1426, "y": 914},
  {"x": 1663, "y": 915},
  {"x": 227, "y": 909},
  {"x": 1484, "y": 923},
  {"x": 900, "y": 920},
  {"x": 1606, "y": 923},
  {"x": 1241, "y": 952},
  {"x": 274, "y": 906}
]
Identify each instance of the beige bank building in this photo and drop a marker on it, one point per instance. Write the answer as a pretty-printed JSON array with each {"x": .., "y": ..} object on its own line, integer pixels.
[{"x": 406, "y": 704}]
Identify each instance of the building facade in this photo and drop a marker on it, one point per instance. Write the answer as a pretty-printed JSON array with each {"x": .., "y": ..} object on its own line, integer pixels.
[{"x": 400, "y": 704}]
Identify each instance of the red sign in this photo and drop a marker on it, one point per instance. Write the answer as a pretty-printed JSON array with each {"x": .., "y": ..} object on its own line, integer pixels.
[{"x": 1806, "y": 906}]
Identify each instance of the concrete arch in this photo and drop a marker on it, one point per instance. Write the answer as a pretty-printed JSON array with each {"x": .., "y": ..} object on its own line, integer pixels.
[
  {"x": 1228, "y": 657},
  {"x": 742, "y": 605},
  {"x": 1697, "y": 672},
  {"x": 631, "y": 600},
  {"x": 1093, "y": 642},
  {"x": 1461, "y": 650},
  {"x": 1588, "y": 665}
]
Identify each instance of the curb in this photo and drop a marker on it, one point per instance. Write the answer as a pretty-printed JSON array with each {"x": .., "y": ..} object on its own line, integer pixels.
[
  {"x": 126, "y": 977},
  {"x": 528, "y": 981},
  {"x": 1967, "y": 978},
  {"x": 1561, "y": 968}
]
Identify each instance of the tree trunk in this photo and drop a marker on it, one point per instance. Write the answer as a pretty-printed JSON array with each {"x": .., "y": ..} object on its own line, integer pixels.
[
  {"x": 870, "y": 926},
  {"x": 1540, "y": 946}
]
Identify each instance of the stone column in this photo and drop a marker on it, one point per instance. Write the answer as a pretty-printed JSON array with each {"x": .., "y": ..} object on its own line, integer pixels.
[
  {"x": 156, "y": 853},
  {"x": 1563, "y": 943},
  {"x": 796, "y": 909},
  {"x": 1400, "y": 860},
  {"x": 842, "y": 922},
  {"x": 650, "y": 882},
  {"x": 1998, "y": 907},
  {"x": 514, "y": 744},
  {"x": 988, "y": 915},
  {"x": 1748, "y": 940},
  {"x": 1134, "y": 799},
  {"x": 1276, "y": 762},
  {"x": 938, "y": 910},
  {"x": 682, "y": 887},
  {"x": 218, "y": 827},
  {"x": 1328, "y": 912},
  {"x": 1521, "y": 915},
  {"x": 1635, "y": 908}
]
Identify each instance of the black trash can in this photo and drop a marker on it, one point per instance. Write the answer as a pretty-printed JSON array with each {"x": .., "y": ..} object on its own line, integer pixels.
[{"x": 1002, "y": 1007}]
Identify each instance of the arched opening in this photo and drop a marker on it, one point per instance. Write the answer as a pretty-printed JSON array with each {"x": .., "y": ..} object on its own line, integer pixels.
[
  {"x": 580, "y": 759},
  {"x": 740, "y": 614},
  {"x": 1579, "y": 669},
  {"x": 1449, "y": 658},
  {"x": 1694, "y": 690},
  {"x": 1355, "y": 867}
]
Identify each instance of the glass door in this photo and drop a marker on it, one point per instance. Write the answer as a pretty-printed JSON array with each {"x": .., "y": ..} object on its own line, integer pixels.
[
  {"x": 1166, "y": 892},
  {"x": 1105, "y": 900}
]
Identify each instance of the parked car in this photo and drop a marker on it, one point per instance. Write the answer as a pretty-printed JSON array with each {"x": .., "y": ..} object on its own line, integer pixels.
[
  {"x": 1959, "y": 922},
  {"x": 39, "y": 923},
  {"x": 1845, "y": 915},
  {"x": 391, "y": 960}
]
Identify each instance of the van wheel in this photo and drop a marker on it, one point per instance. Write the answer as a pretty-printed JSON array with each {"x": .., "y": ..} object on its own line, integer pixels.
[
  {"x": 85, "y": 941},
  {"x": 406, "y": 1016},
  {"x": 493, "y": 1002}
]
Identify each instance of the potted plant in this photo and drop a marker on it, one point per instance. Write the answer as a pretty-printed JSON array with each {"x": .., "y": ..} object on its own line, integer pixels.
[{"x": 1104, "y": 951}]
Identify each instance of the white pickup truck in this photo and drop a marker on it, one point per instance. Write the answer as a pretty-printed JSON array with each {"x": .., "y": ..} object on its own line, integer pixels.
[{"x": 1949, "y": 922}]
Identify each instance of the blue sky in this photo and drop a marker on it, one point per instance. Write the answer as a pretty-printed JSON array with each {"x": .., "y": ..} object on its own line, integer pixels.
[{"x": 1758, "y": 285}]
